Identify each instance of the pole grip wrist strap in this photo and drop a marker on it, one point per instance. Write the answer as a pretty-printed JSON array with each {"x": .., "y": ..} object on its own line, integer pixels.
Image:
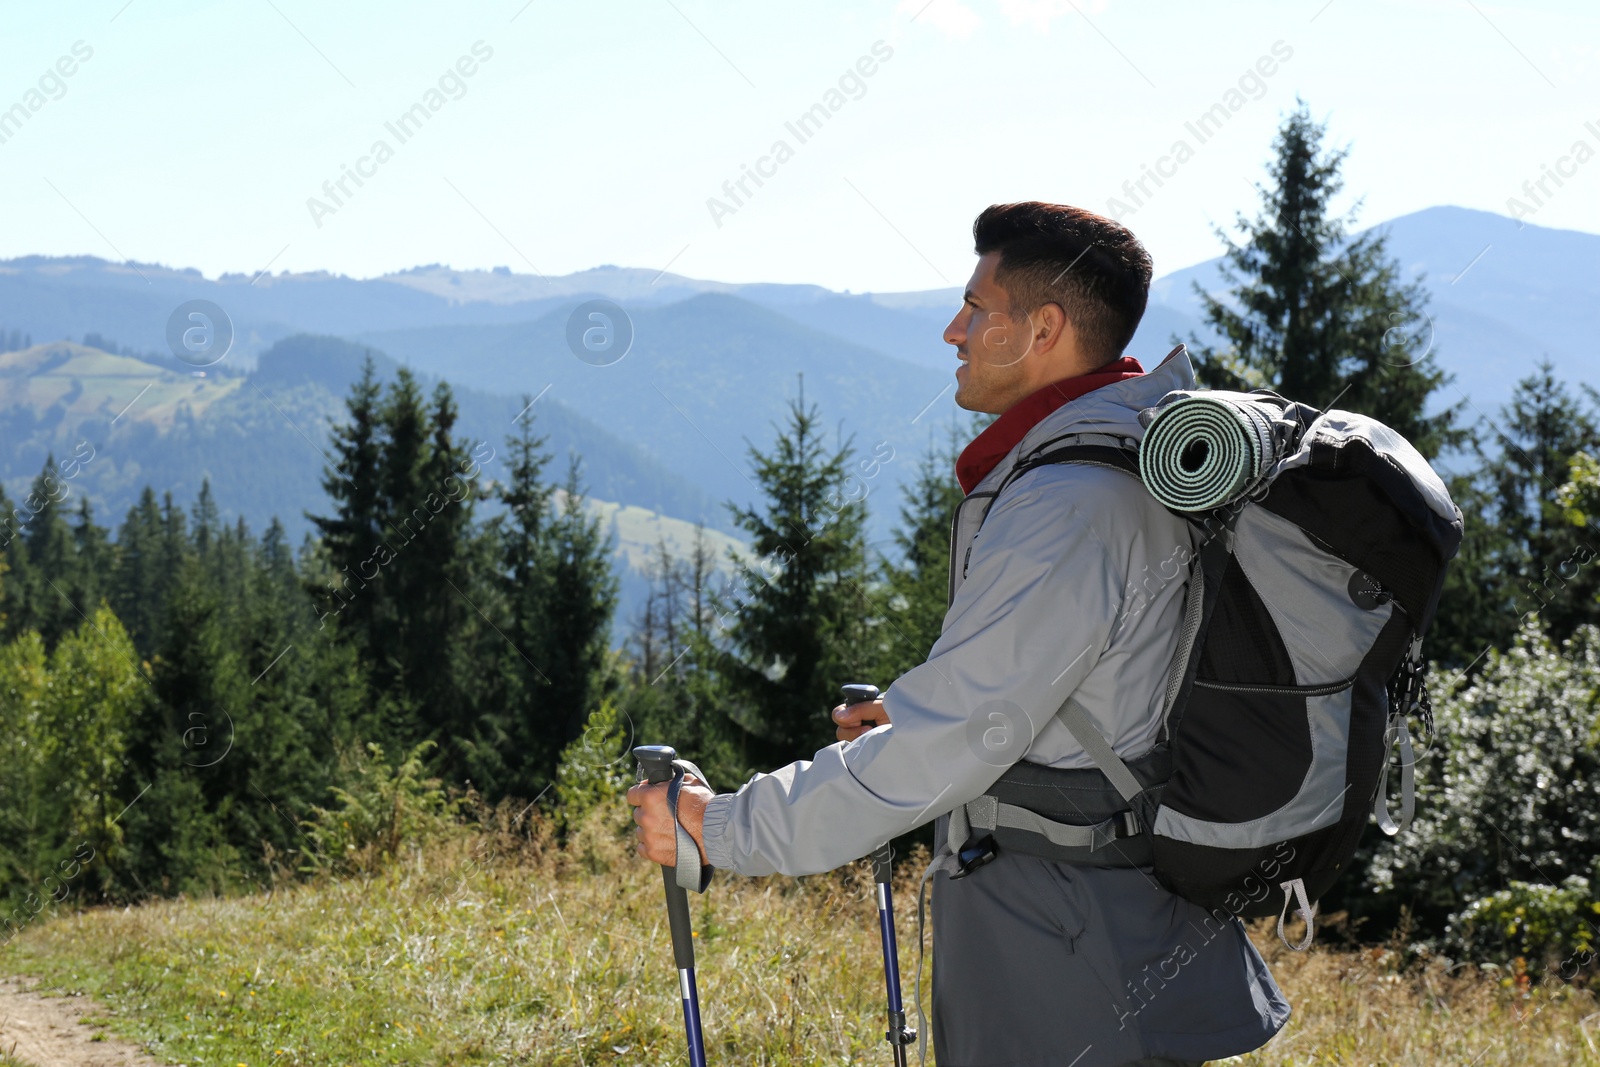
[{"x": 688, "y": 871}]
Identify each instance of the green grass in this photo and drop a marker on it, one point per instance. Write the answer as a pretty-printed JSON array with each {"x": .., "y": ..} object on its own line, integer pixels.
[
  {"x": 498, "y": 948},
  {"x": 90, "y": 383},
  {"x": 482, "y": 950}
]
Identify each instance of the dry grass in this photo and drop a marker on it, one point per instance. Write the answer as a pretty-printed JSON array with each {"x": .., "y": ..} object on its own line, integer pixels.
[
  {"x": 494, "y": 948},
  {"x": 1358, "y": 1008}
]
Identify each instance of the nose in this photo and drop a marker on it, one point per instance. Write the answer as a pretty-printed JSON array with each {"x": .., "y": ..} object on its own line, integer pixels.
[{"x": 956, "y": 332}]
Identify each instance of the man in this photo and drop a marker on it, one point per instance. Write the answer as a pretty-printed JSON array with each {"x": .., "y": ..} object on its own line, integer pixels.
[{"x": 1062, "y": 585}]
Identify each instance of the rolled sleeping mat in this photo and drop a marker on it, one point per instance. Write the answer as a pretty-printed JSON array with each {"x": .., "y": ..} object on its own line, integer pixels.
[{"x": 1201, "y": 452}]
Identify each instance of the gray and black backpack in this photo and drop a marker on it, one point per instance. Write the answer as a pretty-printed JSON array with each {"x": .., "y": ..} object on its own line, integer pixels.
[{"x": 1320, "y": 546}]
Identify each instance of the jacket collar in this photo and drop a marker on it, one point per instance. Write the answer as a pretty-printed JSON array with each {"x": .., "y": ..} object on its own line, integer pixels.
[{"x": 1110, "y": 405}]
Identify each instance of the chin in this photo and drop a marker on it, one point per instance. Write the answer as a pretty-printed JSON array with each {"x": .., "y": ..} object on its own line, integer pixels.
[{"x": 965, "y": 399}]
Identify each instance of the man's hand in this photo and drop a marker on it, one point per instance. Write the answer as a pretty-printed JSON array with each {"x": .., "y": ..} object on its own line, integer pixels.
[
  {"x": 658, "y": 838},
  {"x": 849, "y": 717}
]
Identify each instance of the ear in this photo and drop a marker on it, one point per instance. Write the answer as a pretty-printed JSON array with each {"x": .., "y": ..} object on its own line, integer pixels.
[{"x": 1052, "y": 329}]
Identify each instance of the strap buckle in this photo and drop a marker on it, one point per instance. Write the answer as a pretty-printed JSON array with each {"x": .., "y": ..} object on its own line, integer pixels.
[{"x": 974, "y": 855}]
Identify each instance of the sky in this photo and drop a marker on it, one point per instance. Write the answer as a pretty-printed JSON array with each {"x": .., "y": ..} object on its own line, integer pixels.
[{"x": 555, "y": 137}]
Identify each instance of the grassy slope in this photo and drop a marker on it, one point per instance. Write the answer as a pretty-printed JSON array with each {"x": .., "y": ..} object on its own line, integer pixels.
[
  {"x": 90, "y": 383},
  {"x": 639, "y": 530},
  {"x": 497, "y": 949}
]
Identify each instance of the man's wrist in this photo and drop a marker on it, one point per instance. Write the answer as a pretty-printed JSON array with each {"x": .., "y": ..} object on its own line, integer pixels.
[{"x": 713, "y": 824}]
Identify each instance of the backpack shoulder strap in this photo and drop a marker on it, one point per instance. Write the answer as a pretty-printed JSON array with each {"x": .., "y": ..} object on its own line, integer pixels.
[
  {"x": 1097, "y": 451},
  {"x": 1094, "y": 449}
]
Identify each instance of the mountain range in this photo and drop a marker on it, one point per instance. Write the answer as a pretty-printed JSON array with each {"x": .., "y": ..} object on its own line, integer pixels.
[{"x": 666, "y": 430}]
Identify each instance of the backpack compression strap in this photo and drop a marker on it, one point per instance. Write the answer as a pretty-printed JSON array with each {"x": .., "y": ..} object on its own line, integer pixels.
[{"x": 1410, "y": 697}]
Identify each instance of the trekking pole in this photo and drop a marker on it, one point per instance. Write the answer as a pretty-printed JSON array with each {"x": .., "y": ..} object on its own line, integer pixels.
[
  {"x": 655, "y": 763},
  {"x": 899, "y": 1035}
]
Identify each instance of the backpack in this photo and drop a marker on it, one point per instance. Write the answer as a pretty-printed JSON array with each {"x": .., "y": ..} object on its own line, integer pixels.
[{"x": 1320, "y": 541}]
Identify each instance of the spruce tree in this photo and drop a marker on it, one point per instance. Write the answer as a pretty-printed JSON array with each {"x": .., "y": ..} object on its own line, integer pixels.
[
  {"x": 674, "y": 693},
  {"x": 51, "y": 564},
  {"x": 913, "y": 590},
  {"x": 583, "y": 598},
  {"x": 1316, "y": 314},
  {"x": 206, "y": 521},
  {"x": 136, "y": 594},
  {"x": 796, "y": 625},
  {"x": 556, "y": 590},
  {"x": 397, "y": 552},
  {"x": 355, "y": 531},
  {"x": 93, "y": 554},
  {"x": 438, "y": 579},
  {"x": 1521, "y": 553},
  {"x": 517, "y": 740}
]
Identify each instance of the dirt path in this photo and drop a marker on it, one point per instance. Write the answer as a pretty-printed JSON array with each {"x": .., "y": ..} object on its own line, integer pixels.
[{"x": 49, "y": 1031}]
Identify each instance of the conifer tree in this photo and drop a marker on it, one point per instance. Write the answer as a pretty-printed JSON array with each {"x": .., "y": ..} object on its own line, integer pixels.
[
  {"x": 397, "y": 550},
  {"x": 583, "y": 598},
  {"x": 1316, "y": 314},
  {"x": 438, "y": 578},
  {"x": 355, "y": 531},
  {"x": 913, "y": 590},
  {"x": 92, "y": 560},
  {"x": 51, "y": 564},
  {"x": 516, "y": 743},
  {"x": 136, "y": 594},
  {"x": 796, "y": 624},
  {"x": 1521, "y": 553},
  {"x": 675, "y": 692}
]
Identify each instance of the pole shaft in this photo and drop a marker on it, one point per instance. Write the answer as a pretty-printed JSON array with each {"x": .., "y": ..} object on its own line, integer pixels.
[
  {"x": 691, "y": 1017},
  {"x": 882, "y": 873},
  {"x": 891, "y": 971}
]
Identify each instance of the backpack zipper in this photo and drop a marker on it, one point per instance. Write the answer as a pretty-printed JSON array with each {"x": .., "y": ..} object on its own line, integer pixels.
[{"x": 1326, "y": 689}]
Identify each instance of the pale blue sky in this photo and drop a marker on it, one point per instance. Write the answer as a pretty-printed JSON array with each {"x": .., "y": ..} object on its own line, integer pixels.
[{"x": 596, "y": 132}]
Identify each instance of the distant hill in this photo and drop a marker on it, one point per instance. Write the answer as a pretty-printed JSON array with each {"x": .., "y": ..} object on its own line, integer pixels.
[
  {"x": 706, "y": 375},
  {"x": 1503, "y": 295},
  {"x": 257, "y": 437}
]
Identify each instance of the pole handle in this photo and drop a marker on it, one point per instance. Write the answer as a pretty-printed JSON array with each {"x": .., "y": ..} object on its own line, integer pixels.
[
  {"x": 655, "y": 762},
  {"x": 860, "y": 693}
]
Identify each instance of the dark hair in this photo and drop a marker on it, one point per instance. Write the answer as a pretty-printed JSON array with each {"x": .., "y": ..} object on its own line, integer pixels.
[{"x": 1095, "y": 268}]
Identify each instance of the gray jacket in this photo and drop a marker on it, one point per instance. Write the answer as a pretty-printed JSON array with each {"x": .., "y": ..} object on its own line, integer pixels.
[{"x": 1073, "y": 587}]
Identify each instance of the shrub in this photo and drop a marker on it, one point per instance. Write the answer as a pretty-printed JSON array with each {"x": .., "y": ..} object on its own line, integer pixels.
[
  {"x": 594, "y": 768},
  {"x": 383, "y": 809},
  {"x": 1552, "y": 927},
  {"x": 1508, "y": 795}
]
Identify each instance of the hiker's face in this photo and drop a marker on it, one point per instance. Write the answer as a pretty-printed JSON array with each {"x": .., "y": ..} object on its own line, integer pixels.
[{"x": 993, "y": 343}]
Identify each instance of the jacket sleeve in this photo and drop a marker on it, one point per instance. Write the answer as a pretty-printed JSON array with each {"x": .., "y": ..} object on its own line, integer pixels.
[{"x": 1031, "y": 619}]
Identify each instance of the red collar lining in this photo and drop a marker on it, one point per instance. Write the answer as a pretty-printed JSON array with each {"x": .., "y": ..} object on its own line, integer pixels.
[{"x": 994, "y": 443}]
